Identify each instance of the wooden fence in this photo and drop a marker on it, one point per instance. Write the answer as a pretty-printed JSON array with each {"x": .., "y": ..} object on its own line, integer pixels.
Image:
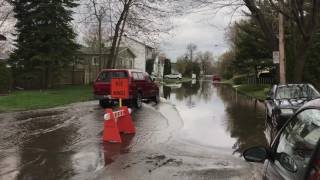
[
  {"x": 261, "y": 80},
  {"x": 68, "y": 77}
]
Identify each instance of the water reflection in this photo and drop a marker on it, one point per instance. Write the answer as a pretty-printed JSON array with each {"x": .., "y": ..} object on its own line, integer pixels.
[
  {"x": 215, "y": 115},
  {"x": 112, "y": 151},
  {"x": 245, "y": 120}
]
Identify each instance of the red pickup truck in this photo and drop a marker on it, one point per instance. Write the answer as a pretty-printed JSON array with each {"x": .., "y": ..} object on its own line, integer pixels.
[{"x": 141, "y": 86}]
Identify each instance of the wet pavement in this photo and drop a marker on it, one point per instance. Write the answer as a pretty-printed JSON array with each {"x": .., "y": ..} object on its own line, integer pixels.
[{"x": 198, "y": 131}]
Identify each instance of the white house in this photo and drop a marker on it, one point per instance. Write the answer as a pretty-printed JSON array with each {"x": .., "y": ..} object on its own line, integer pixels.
[{"x": 142, "y": 51}]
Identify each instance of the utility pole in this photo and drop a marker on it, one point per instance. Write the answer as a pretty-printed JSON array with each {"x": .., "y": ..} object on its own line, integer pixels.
[{"x": 282, "y": 62}]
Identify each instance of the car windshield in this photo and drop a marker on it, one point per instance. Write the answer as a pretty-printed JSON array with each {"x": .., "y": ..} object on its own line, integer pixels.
[
  {"x": 295, "y": 92},
  {"x": 106, "y": 76}
]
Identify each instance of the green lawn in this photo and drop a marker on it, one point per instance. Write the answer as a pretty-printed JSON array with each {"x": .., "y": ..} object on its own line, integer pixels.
[
  {"x": 227, "y": 82},
  {"x": 27, "y": 100},
  {"x": 255, "y": 91}
]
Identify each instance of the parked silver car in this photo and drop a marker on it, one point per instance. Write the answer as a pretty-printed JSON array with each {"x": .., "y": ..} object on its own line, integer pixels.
[{"x": 173, "y": 76}]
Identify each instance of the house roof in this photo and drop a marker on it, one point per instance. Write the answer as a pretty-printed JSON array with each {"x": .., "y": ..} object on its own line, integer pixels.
[{"x": 105, "y": 51}]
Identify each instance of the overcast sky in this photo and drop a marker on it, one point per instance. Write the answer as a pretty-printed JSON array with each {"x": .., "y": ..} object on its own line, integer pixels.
[{"x": 205, "y": 30}]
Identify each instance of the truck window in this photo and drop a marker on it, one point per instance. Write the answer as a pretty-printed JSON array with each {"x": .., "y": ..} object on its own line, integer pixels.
[
  {"x": 106, "y": 76},
  {"x": 135, "y": 76},
  {"x": 141, "y": 77}
]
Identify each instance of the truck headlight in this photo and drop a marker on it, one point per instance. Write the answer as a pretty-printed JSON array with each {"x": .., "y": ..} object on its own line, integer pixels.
[{"x": 286, "y": 111}]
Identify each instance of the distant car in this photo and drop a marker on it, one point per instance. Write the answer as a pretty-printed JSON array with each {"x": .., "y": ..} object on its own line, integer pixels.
[
  {"x": 216, "y": 78},
  {"x": 292, "y": 153},
  {"x": 284, "y": 100},
  {"x": 173, "y": 76},
  {"x": 141, "y": 86}
]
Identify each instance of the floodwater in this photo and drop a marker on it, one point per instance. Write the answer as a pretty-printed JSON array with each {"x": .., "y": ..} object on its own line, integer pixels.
[
  {"x": 198, "y": 131},
  {"x": 216, "y": 115}
]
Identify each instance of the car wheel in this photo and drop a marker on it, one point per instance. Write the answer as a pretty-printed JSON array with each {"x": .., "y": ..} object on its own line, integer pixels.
[
  {"x": 104, "y": 103},
  {"x": 138, "y": 101}
]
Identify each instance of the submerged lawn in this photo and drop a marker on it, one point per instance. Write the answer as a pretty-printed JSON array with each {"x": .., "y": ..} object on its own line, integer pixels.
[
  {"x": 27, "y": 100},
  {"x": 256, "y": 91}
]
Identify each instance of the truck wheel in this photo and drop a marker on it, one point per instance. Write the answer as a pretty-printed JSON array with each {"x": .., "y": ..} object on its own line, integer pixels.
[
  {"x": 138, "y": 101},
  {"x": 104, "y": 103},
  {"x": 156, "y": 99}
]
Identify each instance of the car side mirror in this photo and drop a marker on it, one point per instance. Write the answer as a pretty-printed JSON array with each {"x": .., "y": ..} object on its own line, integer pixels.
[{"x": 256, "y": 154}]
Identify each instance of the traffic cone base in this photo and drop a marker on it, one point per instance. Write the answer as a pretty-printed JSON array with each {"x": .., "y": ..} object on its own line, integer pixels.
[
  {"x": 111, "y": 130},
  {"x": 125, "y": 123}
]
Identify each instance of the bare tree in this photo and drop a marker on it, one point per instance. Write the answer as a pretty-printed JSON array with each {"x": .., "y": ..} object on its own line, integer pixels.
[
  {"x": 205, "y": 59},
  {"x": 144, "y": 19},
  {"x": 191, "y": 48},
  {"x": 6, "y": 24},
  {"x": 5, "y": 12},
  {"x": 304, "y": 14},
  {"x": 118, "y": 32},
  {"x": 97, "y": 13}
]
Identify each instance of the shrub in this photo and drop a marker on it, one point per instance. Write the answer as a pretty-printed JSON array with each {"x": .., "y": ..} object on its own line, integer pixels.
[{"x": 5, "y": 78}]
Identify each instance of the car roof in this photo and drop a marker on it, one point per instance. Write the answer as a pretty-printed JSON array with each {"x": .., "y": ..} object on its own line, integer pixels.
[
  {"x": 129, "y": 70},
  {"x": 290, "y": 85}
]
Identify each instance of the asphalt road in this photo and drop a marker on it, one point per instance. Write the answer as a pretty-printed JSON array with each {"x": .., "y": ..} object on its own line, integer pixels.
[{"x": 198, "y": 131}]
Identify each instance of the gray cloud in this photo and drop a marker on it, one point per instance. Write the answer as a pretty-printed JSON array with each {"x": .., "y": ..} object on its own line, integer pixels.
[{"x": 205, "y": 30}]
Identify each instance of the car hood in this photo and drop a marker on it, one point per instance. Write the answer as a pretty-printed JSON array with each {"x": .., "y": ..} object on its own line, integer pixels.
[{"x": 290, "y": 103}]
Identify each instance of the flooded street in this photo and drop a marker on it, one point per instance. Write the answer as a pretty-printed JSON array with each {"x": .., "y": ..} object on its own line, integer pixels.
[
  {"x": 198, "y": 131},
  {"x": 216, "y": 116}
]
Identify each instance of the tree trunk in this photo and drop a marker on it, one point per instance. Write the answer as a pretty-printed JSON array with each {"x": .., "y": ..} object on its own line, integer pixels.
[
  {"x": 46, "y": 79},
  {"x": 73, "y": 69},
  {"x": 115, "y": 39},
  {"x": 120, "y": 38},
  {"x": 99, "y": 46},
  {"x": 265, "y": 27}
]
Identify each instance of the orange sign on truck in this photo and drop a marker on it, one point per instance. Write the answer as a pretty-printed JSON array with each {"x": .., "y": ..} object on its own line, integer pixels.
[{"x": 120, "y": 88}]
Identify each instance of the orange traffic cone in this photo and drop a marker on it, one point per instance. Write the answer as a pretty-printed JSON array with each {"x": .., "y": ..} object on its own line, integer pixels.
[
  {"x": 125, "y": 123},
  {"x": 111, "y": 131}
]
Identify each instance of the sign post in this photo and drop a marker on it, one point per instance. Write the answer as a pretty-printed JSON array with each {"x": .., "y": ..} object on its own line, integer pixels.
[{"x": 120, "y": 89}]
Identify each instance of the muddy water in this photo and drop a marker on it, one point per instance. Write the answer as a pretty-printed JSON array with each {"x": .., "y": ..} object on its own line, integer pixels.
[{"x": 196, "y": 133}]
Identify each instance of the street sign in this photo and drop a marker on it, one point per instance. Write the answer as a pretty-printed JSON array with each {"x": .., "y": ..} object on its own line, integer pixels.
[
  {"x": 276, "y": 57},
  {"x": 120, "y": 88}
]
